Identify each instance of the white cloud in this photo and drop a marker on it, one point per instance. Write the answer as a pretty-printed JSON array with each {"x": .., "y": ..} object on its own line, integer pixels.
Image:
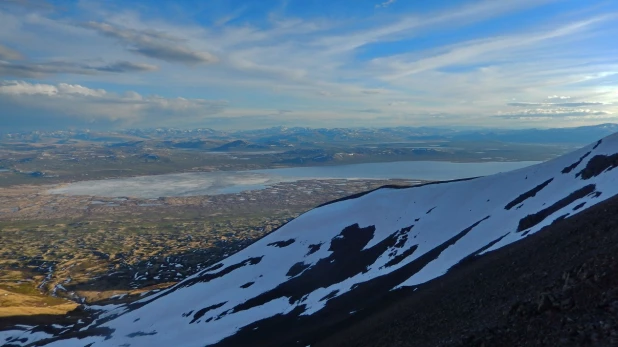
[
  {"x": 386, "y": 3},
  {"x": 561, "y": 113},
  {"x": 75, "y": 89},
  {"x": 68, "y": 103},
  {"x": 30, "y": 69},
  {"x": 24, "y": 88},
  {"x": 153, "y": 44},
  {"x": 409, "y": 25},
  {"x": 560, "y": 104},
  {"x": 479, "y": 51}
]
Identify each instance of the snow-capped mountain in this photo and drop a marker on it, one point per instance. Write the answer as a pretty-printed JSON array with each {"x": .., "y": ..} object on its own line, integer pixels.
[{"x": 345, "y": 256}]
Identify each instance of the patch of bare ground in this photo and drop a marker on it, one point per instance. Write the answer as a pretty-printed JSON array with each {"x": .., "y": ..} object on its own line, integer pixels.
[
  {"x": 16, "y": 303},
  {"x": 557, "y": 287},
  {"x": 120, "y": 296}
]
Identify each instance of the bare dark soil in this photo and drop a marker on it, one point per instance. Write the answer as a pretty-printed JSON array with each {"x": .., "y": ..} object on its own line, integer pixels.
[{"x": 558, "y": 287}]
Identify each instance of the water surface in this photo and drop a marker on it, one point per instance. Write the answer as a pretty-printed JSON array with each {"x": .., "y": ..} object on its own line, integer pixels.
[{"x": 226, "y": 182}]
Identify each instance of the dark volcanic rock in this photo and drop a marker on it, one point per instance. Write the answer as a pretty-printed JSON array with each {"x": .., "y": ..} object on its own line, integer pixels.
[
  {"x": 314, "y": 248},
  {"x": 536, "y": 218},
  {"x": 575, "y": 164},
  {"x": 529, "y": 194},
  {"x": 598, "y": 164},
  {"x": 282, "y": 244},
  {"x": 200, "y": 313}
]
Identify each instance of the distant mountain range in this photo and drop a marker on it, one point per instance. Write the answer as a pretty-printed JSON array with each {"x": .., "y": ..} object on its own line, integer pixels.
[{"x": 282, "y": 136}]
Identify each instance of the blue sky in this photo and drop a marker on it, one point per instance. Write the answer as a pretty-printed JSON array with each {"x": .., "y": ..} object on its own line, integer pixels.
[{"x": 253, "y": 64}]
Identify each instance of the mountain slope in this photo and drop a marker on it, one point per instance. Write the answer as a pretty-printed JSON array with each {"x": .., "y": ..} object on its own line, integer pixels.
[
  {"x": 556, "y": 287},
  {"x": 343, "y": 257}
]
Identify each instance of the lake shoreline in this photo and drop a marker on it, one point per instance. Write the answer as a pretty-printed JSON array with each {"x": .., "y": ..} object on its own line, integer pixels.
[{"x": 230, "y": 182}]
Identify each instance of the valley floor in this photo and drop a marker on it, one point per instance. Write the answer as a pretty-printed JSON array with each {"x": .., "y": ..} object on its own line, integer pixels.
[
  {"x": 88, "y": 249},
  {"x": 554, "y": 288}
]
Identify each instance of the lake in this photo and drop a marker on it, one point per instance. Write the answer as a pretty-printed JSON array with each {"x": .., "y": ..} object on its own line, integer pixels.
[{"x": 226, "y": 182}]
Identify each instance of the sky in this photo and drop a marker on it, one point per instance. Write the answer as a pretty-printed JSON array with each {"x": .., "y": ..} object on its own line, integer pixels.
[{"x": 232, "y": 64}]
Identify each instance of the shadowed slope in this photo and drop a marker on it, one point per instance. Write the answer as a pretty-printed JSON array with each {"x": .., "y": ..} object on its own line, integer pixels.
[{"x": 552, "y": 288}]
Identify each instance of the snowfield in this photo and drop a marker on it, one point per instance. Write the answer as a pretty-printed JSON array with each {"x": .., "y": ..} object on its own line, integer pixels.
[{"x": 339, "y": 258}]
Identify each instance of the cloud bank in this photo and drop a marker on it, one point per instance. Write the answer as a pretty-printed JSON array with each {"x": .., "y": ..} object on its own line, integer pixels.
[
  {"x": 153, "y": 44},
  {"x": 324, "y": 64},
  {"x": 70, "y": 104}
]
